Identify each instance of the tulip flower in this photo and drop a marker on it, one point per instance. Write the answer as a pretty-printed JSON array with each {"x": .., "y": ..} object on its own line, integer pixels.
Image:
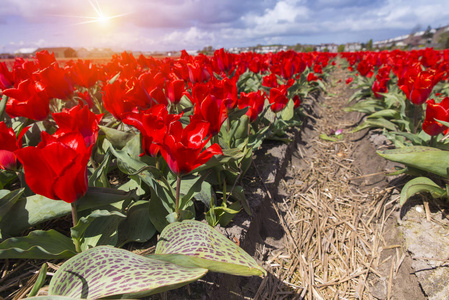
[
  {"x": 182, "y": 148},
  {"x": 56, "y": 82},
  {"x": 434, "y": 112},
  {"x": 78, "y": 119},
  {"x": 8, "y": 144},
  {"x": 57, "y": 167},
  {"x": 213, "y": 111},
  {"x": 6, "y": 77},
  {"x": 278, "y": 99},
  {"x": 417, "y": 85},
  {"x": 153, "y": 125},
  {"x": 254, "y": 101},
  {"x": 27, "y": 100}
]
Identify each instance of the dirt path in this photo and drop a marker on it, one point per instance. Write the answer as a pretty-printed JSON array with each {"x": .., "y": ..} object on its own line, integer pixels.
[{"x": 339, "y": 213}]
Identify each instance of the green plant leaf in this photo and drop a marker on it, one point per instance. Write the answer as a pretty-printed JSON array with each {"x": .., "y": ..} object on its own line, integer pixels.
[
  {"x": 239, "y": 194},
  {"x": 106, "y": 271},
  {"x": 6, "y": 177},
  {"x": 98, "y": 228},
  {"x": 419, "y": 185},
  {"x": 116, "y": 137},
  {"x": 375, "y": 123},
  {"x": 137, "y": 227},
  {"x": 428, "y": 159},
  {"x": 367, "y": 106},
  {"x": 8, "y": 199},
  {"x": 53, "y": 297},
  {"x": 39, "y": 281},
  {"x": 289, "y": 111},
  {"x": 38, "y": 244},
  {"x": 385, "y": 113},
  {"x": 99, "y": 176},
  {"x": 194, "y": 244},
  {"x": 33, "y": 210}
]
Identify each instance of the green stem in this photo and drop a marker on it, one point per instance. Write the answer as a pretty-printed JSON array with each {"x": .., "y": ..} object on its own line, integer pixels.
[
  {"x": 75, "y": 221},
  {"x": 178, "y": 190},
  {"x": 415, "y": 118},
  {"x": 433, "y": 141},
  {"x": 3, "y": 106}
]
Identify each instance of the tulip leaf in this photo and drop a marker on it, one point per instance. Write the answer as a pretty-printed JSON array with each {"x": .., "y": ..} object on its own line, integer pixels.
[
  {"x": 195, "y": 187},
  {"x": 428, "y": 159},
  {"x": 367, "y": 106},
  {"x": 195, "y": 244},
  {"x": 239, "y": 194},
  {"x": 3, "y": 106},
  {"x": 8, "y": 199},
  {"x": 229, "y": 155},
  {"x": 6, "y": 177},
  {"x": 33, "y": 210},
  {"x": 116, "y": 137},
  {"x": 376, "y": 123},
  {"x": 39, "y": 281},
  {"x": 53, "y": 297},
  {"x": 98, "y": 228},
  {"x": 385, "y": 113},
  {"x": 111, "y": 272},
  {"x": 99, "y": 176},
  {"x": 38, "y": 244},
  {"x": 137, "y": 226},
  {"x": 419, "y": 185},
  {"x": 289, "y": 111}
]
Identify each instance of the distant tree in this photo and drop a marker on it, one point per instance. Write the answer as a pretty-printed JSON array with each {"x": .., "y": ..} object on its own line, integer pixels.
[
  {"x": 341, "y": 48},
  {"x": 207, "y": 50},
  {"x": 308, "y": 49},
  {"x": 369, "y": 45},
  {"x": 428, "y": 33},
  {"x": 326, "y": 49}
]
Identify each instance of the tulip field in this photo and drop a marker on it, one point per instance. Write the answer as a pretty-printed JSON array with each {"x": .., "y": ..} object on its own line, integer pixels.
[{"x": 95, "y": 156}]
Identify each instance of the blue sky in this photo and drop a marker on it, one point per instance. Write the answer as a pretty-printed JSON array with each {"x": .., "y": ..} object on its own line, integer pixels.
[{"x": 151, "y": 25}]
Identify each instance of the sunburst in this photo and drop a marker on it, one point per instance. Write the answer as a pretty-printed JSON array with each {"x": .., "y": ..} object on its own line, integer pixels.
[{"x": 100, "y": 17}]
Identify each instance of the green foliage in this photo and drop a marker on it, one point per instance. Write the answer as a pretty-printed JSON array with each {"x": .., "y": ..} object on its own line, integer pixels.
[
  {"x": 185, "y": 252},
  {"x": 420, "y": 185}
]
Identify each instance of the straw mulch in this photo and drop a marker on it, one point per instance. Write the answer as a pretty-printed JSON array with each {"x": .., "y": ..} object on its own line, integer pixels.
[{"x": 333, "y": 227}]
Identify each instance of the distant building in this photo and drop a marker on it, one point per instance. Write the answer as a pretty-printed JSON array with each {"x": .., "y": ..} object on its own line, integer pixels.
[
  {"x": 353, "y": 47},
  {"x": 60, "y": 52},
  {"x": 25, "y": 52},
  {"x": 327, "y": 47}
]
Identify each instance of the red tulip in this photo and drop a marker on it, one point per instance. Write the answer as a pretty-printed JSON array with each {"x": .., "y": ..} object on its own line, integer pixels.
[
  {"x": 8, "y": 144},
  {"x": 56, "y": 82},
  {"x": 78, "y": 119},
  {"x": 117, "y": 100},
  {"x": 365, "y": 68},
  {"x": 57, "y": 167},
  {"x": 27, "y": 100},
  {"x": 45, "y": 59},
  {"x": 213, "y": 111},
  {"x": 153, "y": 125},
  {"x": 175, "y": 89},
  {"x": 417, "y": 85},
  {"x": 380, "y": 86},
  {"x": 254, "y": 101},
  {"x": 182, "y": 148},
  {"x": 436, "y": 111},
  {"x": 6, "y": 77}
]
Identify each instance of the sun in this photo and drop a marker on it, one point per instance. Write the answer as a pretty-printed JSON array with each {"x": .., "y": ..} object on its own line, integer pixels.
[{"x": 99, "y": 16}]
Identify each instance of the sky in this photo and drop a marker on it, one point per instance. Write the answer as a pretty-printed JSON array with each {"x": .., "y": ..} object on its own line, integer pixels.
[{"x": 166, "y": 25}]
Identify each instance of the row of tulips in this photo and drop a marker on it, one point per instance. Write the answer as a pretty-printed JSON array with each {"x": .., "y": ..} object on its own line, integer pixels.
[
  {"x": 407, "y": 94},
  {"x": 129, "y": 145}
]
